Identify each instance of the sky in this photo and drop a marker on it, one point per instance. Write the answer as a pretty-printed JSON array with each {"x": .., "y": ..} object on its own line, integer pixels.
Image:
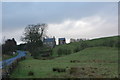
[{"x": 65, "y": 19}]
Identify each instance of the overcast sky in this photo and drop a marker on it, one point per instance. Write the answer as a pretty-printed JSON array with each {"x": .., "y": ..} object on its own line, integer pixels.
[{"x": 64, "y": 19}]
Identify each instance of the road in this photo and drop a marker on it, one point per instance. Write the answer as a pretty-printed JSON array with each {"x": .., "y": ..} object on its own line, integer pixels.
[{"x": 9, "y": 61}]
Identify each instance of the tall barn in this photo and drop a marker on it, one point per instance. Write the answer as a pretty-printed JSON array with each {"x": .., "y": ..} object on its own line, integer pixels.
[{"x": 62, "y": 41}]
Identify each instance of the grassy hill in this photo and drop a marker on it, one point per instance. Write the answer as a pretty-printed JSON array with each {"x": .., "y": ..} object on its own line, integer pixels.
[
  {"x": 102, "y": 61},
  {"x": 97, "y": 61},
  {"x": 105, "y": 41}
]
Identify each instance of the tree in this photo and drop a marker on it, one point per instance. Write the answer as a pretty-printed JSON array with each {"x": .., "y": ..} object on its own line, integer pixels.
[
  {"x": 33, "y": 36},
  {"x": 9, "y": 46},
  {"x": 83, "y": 45},
  {"x": 34, "y": 33}
]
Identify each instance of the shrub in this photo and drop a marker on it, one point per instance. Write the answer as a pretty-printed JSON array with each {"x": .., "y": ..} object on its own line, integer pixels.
[
  {"x": 59, "y": 70},
  {"x": 62, "y": 51},
  {"x": 41, "y": 52},
  {"x": 109, "y": 43},
  {"x": 55, "y": 69},
  {"x": 59, "y": 51},
  {"x": 67, "y": 51},
  {"x": 30, "y": 73},
  {"x": 84, "y": 45},
  {"x": 77, "y": 49},
  {"x": 117, "y": 43}
]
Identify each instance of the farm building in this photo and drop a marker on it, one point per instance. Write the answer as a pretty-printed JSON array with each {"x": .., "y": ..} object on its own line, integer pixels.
[
  {"x": 49, "y": 42},
  {"x": 62, "y": 41}
]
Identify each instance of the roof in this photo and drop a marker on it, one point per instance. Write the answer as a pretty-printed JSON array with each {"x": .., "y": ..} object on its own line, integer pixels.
[
  {"x": 49, "y": 40},
  {"x": 61, "y": 38}
]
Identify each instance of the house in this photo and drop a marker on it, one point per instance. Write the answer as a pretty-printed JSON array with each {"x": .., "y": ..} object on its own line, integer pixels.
[
  {"x": 49, "y": 42},
  {"x": 62, "y": 41}
]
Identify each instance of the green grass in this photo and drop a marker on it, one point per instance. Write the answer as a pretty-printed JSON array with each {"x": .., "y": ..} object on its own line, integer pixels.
[{"x": 106, "y": 63}]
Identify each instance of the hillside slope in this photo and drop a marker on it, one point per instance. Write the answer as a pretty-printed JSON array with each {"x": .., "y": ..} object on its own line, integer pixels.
[
  {"x": 99, "y": 62},
  {"x": 105, "y": 41}
]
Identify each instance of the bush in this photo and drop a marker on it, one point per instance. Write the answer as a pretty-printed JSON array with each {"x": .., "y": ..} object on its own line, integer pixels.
[
  {"x": 30, "y": 73},
  {"x": 77, "y": 49},
  {"x": 59, "y": 70},
  {"x": 83, "y": 45},
  {"x": 117, "y": 43},
  {"x": 67, "y": 51},
  {"x": 108, "y": 43},
  {"x": 41, "y": 52},
  {"x": 62, "y": 51},
  {"x": 59, "y": 51}
]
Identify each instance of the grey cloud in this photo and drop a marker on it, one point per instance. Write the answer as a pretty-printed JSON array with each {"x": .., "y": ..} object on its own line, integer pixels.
[{"x": 16, "y": 16}]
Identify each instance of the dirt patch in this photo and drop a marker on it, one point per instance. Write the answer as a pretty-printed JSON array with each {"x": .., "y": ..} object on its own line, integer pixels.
[{"x": 89, "y": 72}]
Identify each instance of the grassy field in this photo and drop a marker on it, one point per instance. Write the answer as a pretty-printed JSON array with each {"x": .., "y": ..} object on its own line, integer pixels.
[{"x": 97, "y": 62}]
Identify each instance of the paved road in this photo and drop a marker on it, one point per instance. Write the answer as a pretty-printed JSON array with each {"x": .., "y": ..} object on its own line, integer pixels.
[{"x": 9, "y": 61}]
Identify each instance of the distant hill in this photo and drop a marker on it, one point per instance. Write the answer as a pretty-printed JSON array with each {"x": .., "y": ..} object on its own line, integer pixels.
[{"x": 111, "y": 41}]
